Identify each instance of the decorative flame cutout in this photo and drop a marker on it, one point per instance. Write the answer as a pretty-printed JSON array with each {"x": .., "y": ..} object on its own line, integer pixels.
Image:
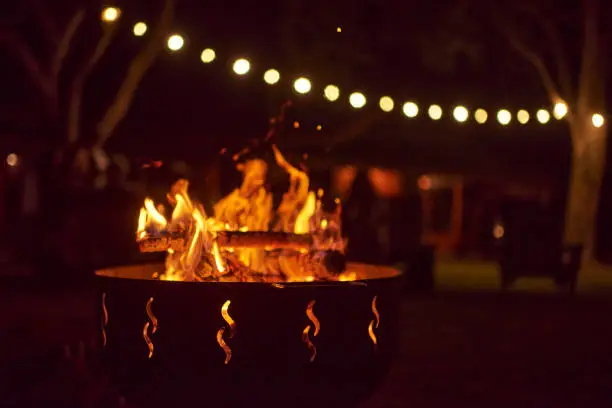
[
  {"x": 145, "y": 330},
  {"x": 317, "y": 326},
  {"x": 104, "y": 320},
  {"x": 232, "y": 327},
  {"x": 151, "y": 316},
  {"x": 374, "y": 323},
  {"x": 313, "y": 318}
]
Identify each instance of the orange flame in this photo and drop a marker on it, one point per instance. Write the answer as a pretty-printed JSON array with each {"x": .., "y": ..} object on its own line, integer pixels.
[
  {"x": 305, "y": 334},
  {"x": 232, "y": 326},
  {"x": 142, "y": 223},
  {"x": 189, "y": 235},
  {"x": 154, "y": 214},
  {"x": 217, "y": 255},
  {"x": 145, "y": 330},
  {"x": 104, "y": 320},
  {"x": 374, "y": 323},
  {"x": 303, "y": 218}
]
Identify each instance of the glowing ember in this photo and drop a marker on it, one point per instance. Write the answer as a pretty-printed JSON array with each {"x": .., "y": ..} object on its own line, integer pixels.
[
  {"x": 232, "y": 326},
  {"x": 374, "y": 323},
  {"x": 246, "y": 240},
  {"x": 104, "y": 319},
  {"x": 145, "y": 330},
  {"x": 305, "y": 333}
]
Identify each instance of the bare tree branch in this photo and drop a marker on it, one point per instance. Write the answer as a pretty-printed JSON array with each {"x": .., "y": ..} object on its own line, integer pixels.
[
  {"x": 591, "y": 76},
  {"x": 64, "y": 43},
  {"x": 52, "y": 34},
  {"x": 563, "y": 70},
  {"x": 534, "y": 59},
  {"x": 136, "y": 71},
  {"x": 27, "y": 58},
  {"x": 46, "y": 79},
  {"x": 76, "y": 88}
]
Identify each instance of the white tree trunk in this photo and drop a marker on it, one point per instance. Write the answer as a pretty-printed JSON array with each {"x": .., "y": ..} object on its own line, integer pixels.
[
  {"x": 586, "y": 176},
  {"x": 136, "y": 71}
]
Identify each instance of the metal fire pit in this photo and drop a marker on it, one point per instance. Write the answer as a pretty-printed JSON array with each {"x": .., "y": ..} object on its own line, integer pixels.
[{"x": 285, "y": 344}]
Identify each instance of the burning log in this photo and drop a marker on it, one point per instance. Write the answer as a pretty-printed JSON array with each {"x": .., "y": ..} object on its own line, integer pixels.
[
  {"x": 264, "y": 239},
  {"x": 229, "y": 239},
  {"x": 162, "y": 241},
  {"x": 332, "y": 262}
]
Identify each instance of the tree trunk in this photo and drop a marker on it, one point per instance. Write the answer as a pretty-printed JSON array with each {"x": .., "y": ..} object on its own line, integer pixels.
[
  {"x": 76, "y": 90},
  {"x": 586, "y": 176},
  {"x": 137, "y": 69}
]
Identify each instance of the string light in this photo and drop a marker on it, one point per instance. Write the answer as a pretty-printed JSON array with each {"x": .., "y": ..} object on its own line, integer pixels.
[
  {"x": 434, "y": 112},
  {"x": 410, "y": 109},
  {"x": 522, "y": 116},
  {"x": 110, "y": 14},
  {"x": 302, "y": 85},
  {"x": 140, "y": 29},
  {"x": 357, "y": 99},
  {"x": 504, "y": 117},
  {"x": 386, "y": 104},
  {"x": 175, "y": 42},
  {"x": 461, "y": 114},
  {"x": 241, "y": 66},
  {"x": 331, "y": 93},
  {"x": 543, "y": 116},
  {"x": 481, "y": 116},
  {"x": 12, "y": 160},
  {"x": 208, "y": 55},
  {"x": 271, "y": 76},
  {"x": 560, "y": 110},
  {"x": 598, "y": 120}
]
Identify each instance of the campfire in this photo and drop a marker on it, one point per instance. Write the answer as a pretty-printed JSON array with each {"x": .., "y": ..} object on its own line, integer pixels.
[
  {"x": 246, "y": 240},
  {"x": 253, "y": 304}
]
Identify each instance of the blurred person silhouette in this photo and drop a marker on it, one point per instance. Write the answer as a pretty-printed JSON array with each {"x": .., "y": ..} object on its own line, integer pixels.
[
  {"x": 360, "y": 222},
  {"x": 118, "y": 209}
]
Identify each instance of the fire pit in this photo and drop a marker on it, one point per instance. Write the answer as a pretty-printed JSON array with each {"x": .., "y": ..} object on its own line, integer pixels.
[{"x": 239, "y": 314}]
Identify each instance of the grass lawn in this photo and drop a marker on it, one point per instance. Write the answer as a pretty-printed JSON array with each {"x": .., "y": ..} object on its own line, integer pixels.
[{"x": 519, "y": 350}]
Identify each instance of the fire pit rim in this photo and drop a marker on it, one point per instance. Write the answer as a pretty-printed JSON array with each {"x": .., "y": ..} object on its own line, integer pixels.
[{"x": 145, "y": 271}]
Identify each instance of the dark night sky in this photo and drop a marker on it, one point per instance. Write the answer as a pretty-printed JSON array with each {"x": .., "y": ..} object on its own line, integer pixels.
[{"x": 184, "y": 107}]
